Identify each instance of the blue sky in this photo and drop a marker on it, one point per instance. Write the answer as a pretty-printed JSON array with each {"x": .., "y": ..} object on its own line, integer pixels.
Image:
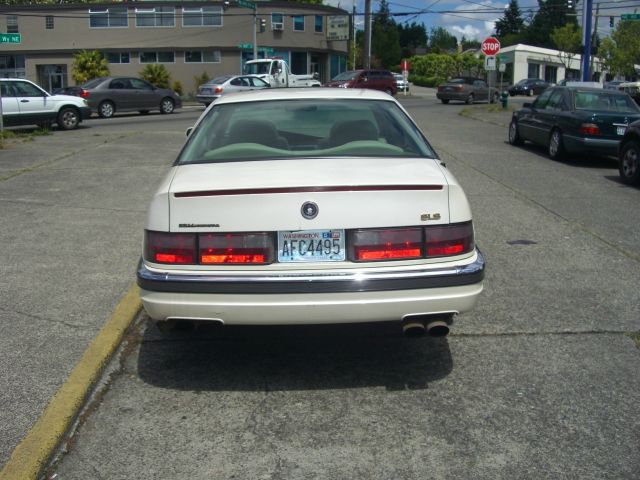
[{"x": 475, "y": 18}]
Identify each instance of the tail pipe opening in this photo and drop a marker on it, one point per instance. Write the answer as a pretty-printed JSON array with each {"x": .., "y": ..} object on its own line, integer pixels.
[{"x": 432, "y": 325}]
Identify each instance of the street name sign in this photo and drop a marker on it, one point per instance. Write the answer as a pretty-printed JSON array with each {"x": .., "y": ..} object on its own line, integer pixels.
[
  {"x": 630, "y": 16},
  {"x": 247, "y": 4},
  {"x": 10, "y": 38},
  {"x": 490, "y": 46}
]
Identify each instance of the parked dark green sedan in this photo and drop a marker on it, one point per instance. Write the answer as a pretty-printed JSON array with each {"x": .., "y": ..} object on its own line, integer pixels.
[{"x": 572, "y": 120}]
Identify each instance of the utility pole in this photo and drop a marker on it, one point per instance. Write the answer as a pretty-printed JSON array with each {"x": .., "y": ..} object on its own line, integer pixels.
[
  {"x": 595, "y": 32},
  {"x": 367, "y": 34},
  {"x": 587, "y": 13},
  {"x": 354, "y": 45}
]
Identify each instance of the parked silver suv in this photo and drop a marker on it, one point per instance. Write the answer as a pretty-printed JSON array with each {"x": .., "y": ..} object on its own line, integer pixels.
[{"x": 25, "y": 103}]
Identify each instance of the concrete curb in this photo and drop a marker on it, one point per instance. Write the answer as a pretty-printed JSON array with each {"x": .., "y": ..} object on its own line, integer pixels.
[{"x": 31, "y": 455}]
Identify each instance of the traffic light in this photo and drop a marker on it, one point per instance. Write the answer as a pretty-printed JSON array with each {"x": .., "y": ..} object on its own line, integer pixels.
[
  {"x": 263, "y": 25},
  {"x": 611, "y": 22}
]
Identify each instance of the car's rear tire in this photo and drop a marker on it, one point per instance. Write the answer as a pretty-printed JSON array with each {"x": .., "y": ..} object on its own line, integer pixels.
[
  {"x": 495, "y": 98},
  {"x": 530, "y": 92},
  {"x": 444, "y": 100},
  {"x": 469, "y": 99},
  {"x": 167, "y": 105},
  {"x": 629, "y": 166},
  {"x": 514, "y": 134},
  {"x": 106, "y": 109},
  {"x": 68, "y": 118},
  {"x": 556, "y": 146}
]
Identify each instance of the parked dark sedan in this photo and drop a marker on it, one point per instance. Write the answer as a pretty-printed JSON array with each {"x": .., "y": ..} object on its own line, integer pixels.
[
  {"x": 382, "y": 80},
  {"x": 529, "y": 87},
  {"x": 108, "y": 95},
  {"x": 467, "y": 90},
  {"x": 629, "y": 155},
  {"x": 575, "y": 120}
]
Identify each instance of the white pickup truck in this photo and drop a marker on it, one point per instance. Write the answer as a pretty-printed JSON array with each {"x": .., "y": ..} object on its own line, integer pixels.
[{"x": 276, "y": 73}]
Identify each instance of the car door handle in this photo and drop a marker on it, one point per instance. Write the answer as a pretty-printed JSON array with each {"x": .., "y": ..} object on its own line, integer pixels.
[{"x": 24, "y": 100}]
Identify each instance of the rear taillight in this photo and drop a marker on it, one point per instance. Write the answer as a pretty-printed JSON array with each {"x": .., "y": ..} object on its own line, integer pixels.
[
  {"x": 589, "y": 129},
  {"x": 84, "y": 93},
  {"x": 372, "y": 245},
  {"x": 385, "y": 244},
  {"x": 446, "y": 240},
  {"x": 224, "y": 248},
  {"x": 218, "y": 90},
  {"x": 171, "y": 248},
  {"x": 208, "y": 248}
]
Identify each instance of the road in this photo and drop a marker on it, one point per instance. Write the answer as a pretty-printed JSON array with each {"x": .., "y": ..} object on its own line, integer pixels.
[{"x": 539, "y": 381}]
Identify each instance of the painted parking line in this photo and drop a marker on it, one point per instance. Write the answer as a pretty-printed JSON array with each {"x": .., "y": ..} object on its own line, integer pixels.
[{"x": 33, "y": 453}]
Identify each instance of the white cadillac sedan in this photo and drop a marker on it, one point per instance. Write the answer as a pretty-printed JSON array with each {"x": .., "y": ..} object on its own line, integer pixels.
[{"x": 309, "y": 206}]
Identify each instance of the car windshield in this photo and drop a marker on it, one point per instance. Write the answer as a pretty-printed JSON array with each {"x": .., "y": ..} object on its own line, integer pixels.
[
  {"x": 345, "y": 76},
  {"x": 311, "y": 128},
  {"x": 93, "y": 83},
  {"x": 523, "y": 82},
  {"x": 605, "y": 101},
  {"x": 256, "y": 68}
]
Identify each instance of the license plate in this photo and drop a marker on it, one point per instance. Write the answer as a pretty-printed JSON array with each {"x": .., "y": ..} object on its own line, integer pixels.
[
  {"x": 311, "y": 246},
  {"x": 621, "y": 130}
]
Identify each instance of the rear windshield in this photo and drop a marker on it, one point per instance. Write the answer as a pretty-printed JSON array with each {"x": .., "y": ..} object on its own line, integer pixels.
[
  {"x": 92, "y": 83},
  {"x": 605, "y": 101},
  {"x": 310, "y": 128},
  {"x": 345, "y": 76},
  {"x": 459, "y": 80},
  {"x": 219, "y": 80}
]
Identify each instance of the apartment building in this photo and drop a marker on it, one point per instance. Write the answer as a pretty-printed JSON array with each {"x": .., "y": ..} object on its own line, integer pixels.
[{"x": 187, "y": 37}]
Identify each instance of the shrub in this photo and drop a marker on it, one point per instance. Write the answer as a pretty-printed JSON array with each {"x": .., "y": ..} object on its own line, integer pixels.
[
  {"x": 200, "y": 79},
  {"x": 177, "y": 87},
  {"x": 87, "y": 65},
  {"x": 156, "y": 74}
]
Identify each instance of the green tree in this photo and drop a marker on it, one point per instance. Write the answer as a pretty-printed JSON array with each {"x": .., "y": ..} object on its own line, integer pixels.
[
  {"x": 88, "y": 64},
  {"x": 551, "y": 14},
  {"x": 511, "y": 22},
  {"x": 568, "y": 40},
  {"x": 412, "y": 36},
  {"x": 156, "y": 74},
  {"x": 469, "y": 44},
  {"x": 621, "y": 51},
  {"x": 442, "y": 41},
  {"x": 385, "y": 39}
]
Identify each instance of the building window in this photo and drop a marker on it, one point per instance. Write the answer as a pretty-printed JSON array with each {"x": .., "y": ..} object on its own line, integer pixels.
[
  {"x": 155, "y": 17},
  {"x": 202, "y": 17},
  {"x": 112, "y": 17},
  {"x": 157, "y": 57},
  {"x": 298, "y": 23},
  {"x": 277, "y": 21},
  {"x": 12, "y": 24},
  {"x": 319, "y": 25},
  {"x": 48, "y": 22},
  {"x": 118, "y": 57},
  {"x": 202, "y": 56},
  {"x": 533, "y": 70}
]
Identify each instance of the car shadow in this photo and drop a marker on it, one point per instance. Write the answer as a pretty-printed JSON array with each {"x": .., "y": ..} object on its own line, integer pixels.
[
  {"x": 278, "y": 358},
  {"x": 574, "y": 160},
  {"x": 616, "y": 179}
]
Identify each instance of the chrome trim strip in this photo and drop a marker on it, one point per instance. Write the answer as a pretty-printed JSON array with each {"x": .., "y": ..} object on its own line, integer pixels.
[{"x": 309, "y": 282}]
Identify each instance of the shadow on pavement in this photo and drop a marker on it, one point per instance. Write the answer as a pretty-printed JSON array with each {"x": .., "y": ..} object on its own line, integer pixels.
[{"x": 212, "y": 358}]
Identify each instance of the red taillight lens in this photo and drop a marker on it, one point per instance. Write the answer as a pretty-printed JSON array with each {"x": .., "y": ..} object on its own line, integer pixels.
[
  {"x": 225, "y": 248},
  {"x": 84, "y": 93},
  {"x": 172, "y": 248},
  {"x": 446, "y": 240},
  {"x": 218, "y": 90},
  {"x": 385, "y": 244},
  {"x": 589, "y": 129}
]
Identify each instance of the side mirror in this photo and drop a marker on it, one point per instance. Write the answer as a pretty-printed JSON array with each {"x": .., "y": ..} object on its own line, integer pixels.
[{"x": 189, "y": 130}]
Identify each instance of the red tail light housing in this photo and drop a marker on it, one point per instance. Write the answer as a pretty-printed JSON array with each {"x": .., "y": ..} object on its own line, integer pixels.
[
  {"x": 170, "y": 248},
  {"x": 589, "y": 129},
  {"x": 209, "y": 248},
  {"x": 373, "y": 245},
  {"x": 235, "y": 248},
  {"x": 370, "y": 245},
  {"x": 218, "y": 90},
  {"x": 84, "y": 93}
]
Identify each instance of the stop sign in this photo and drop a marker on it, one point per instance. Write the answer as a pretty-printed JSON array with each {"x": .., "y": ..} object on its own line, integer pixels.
[{"x": 490, "y": 46}]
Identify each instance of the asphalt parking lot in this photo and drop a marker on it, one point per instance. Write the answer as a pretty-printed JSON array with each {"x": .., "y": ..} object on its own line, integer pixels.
[{"x": 540, "y": 381}]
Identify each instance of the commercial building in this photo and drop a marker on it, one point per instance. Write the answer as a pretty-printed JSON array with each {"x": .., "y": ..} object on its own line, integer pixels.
[{"x": 188, "y": 37}]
